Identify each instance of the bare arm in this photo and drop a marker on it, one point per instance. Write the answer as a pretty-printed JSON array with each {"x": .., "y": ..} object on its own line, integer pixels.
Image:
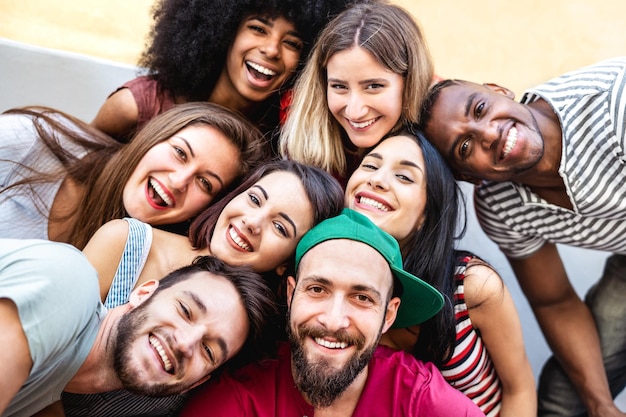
[
  {"x": 14, "y": 354},
  {"x": 568, "y": 327},
  {"x": 118, "y": 116},
  {"x": 493, "y": 313},
  {"x": 104, "y": 251}
]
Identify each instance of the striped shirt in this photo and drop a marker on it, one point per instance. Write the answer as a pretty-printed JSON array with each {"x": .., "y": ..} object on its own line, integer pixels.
[
  {"x": 470, "y": 369},
  {"x": 136, "y": 250},
  {"x": 591, "y": 105}
]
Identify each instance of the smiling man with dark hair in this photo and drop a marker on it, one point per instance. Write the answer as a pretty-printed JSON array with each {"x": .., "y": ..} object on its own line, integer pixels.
[
  {"x": 350, "y": 288},
  {"x": 552, "y": 169},
  {"x": 169, "y": 337}
]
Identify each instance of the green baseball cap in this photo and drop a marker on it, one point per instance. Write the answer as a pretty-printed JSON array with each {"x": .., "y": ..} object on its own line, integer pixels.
[{"x": 420, "y": 300}]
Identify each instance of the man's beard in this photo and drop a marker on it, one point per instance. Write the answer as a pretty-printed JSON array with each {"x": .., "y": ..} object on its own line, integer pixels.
[
  {"x": 320, "y": 382},
  {"x": 127, "y": 329}
]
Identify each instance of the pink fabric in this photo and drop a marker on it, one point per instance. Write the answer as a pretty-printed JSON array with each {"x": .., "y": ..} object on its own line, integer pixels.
[{"x": 397, "y": 385}]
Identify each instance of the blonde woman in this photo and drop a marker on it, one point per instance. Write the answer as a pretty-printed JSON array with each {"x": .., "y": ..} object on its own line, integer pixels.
[{"x": 368, "y": 73}]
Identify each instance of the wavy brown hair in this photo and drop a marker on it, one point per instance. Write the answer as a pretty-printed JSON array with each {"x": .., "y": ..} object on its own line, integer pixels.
[{"x": 107, "y": 165}]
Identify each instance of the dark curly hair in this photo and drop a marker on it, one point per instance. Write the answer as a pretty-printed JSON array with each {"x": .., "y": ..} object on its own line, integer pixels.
[{"x": 189, "y": 39}]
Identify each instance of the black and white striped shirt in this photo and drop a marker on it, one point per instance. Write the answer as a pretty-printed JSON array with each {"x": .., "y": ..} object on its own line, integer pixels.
[{"x": 591, "y": 105}]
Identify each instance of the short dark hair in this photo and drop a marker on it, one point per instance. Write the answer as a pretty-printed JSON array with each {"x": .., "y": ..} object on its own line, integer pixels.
[
  {"x": 430, "y": 100},
  {"x": 256, "y": 296}
]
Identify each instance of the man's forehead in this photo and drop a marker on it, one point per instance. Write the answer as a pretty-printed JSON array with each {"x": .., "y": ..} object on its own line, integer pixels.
[{"x": 340, "y": 255}]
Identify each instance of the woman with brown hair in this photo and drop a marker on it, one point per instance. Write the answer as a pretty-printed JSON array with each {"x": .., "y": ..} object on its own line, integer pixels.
[{"x": 61, "y": 179}]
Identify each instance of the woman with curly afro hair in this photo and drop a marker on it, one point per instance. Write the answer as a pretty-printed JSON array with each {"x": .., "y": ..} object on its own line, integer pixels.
[{"x": 242, "y": 54}]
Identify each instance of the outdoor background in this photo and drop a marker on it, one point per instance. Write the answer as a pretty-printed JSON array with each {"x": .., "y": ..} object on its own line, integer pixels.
[
  {"x": 514, "y": 43},
  {"x": 70, "y": 54}
]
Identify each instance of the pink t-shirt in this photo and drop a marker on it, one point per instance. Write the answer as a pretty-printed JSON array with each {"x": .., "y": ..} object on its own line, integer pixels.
[{"x": 397, "y": 385}]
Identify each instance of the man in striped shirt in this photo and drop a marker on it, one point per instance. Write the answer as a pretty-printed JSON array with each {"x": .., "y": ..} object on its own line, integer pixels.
[{"x": 552, "y": 169}]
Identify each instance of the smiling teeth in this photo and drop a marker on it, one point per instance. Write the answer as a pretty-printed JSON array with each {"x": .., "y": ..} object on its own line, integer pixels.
[
  {"x": 159, "y": 190},
  {"x": 373, "y": 203},
  {"x": 261, "y": 69},
  {"x": 156, "y": 345},
  {"x": 510, "y": 142},
  {"x": 331, "y": 345},
  {"x": 362, "y": 124},
  {"x": 238, "y": 240}
]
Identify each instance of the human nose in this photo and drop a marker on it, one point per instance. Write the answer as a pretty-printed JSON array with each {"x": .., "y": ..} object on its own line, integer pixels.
[
  {"x": 335, "y": 316},
  {"x": 378, "y": 180},
  {"x": 271, "y": 47},
  {"x": 188, "y": 338},
  {"x": 180, "y": 178},
  {"x": 253, "y": 223},
  {"x": 489, "y": 135},
  {"x": 355, "y": 107}
]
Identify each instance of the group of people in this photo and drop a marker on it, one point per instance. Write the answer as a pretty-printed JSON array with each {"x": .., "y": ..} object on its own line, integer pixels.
[{"x": 266, "y": 223}]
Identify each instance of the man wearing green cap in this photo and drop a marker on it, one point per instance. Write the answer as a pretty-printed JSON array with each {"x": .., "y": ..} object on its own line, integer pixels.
[{"x": 350, "y": 288}]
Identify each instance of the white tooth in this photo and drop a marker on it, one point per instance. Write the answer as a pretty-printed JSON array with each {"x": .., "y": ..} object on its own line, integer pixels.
[
  {"x": 238, "y": 240},
  {"x": 331, "y": 345},
  {"x": 166, "y": 362},
  {"x": 510, "y": 142},
  {"x": 362, "y": 124},
  {"x": 261, "y": 69},
  {"x": 373, "y": 203},
  {"x": 159, "y": 190}
]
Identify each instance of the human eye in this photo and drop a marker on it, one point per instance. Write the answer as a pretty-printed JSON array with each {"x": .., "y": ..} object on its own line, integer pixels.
[
  {"x": 315, "y": 289},
  {"x": 404, "y": 178},
  {"x": 464, "y": 148},
  {"x": 374, "y": 86},
  {"x": 294, "y": 44},
  {"x": 185, "y": 310},
  {"x": 364, "y": 299},
  {"x": 337, "y": 86},
  {"x": 254, "y": 199},
  {"x": 258, "y": 28},
  {"x": 209, "y": 352},
  {"x": 206, "y": 185},
  {"x": 281, "y": 229},
  {"x": 368, "y": 165},
  {"x": 180, "y": 152},
  {"x": 478, "y": 111}
]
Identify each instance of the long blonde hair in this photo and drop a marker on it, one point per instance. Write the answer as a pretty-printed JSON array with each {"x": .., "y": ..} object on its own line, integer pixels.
[{"x": 389, "y": 33}]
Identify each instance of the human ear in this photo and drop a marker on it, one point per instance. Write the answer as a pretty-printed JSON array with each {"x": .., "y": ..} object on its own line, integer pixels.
[
  {"x": 291, "y": 287},
  {"x": 142, "y": 292},
  {"x": 391, "y": 313},
  {"x": 500, "y": 90},
  {"x": 281, "y": 269}
]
